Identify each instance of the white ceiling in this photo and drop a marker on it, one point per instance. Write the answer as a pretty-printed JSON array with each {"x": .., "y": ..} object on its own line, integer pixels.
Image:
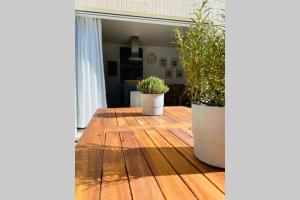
[{"x": 114, "y": 31}]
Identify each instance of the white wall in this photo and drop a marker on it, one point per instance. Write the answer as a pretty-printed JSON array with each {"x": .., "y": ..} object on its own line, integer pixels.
[{"x": 155, "y": 70}]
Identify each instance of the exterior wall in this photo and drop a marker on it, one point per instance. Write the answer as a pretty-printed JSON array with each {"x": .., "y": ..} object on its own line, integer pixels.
[{"x": 179, "y": 9}]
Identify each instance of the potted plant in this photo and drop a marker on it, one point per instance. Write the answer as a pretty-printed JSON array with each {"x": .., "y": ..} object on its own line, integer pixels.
[
  {"x": 152, "y": 92},
  {"x": 201, "y": 50}
]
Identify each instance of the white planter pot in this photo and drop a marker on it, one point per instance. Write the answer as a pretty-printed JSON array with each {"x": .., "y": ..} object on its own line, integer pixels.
[
  {"x": 135, "y": 99},
  {"x": 152, "y": 104},
  {"x": 208, "y": 125}
]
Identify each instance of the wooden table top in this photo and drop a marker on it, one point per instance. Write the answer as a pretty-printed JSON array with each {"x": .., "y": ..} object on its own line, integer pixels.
[{"x": 123, "y": 154}]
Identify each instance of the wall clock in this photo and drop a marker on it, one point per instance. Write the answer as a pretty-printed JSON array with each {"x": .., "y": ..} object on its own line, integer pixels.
[{"x": 151, "y": 58}]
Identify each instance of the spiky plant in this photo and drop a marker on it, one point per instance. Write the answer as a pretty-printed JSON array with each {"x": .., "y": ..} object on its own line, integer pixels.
[
  {"x": 152, "y": 85},
  {"x": 201, "y": 50}
]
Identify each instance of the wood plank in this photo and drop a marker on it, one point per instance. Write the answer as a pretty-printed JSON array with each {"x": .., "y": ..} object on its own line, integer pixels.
[
  {"x": 168, "y": 113},
  {"x": 160, "y": 162},
  {"x": 88, "y": 165},
  {"x": 215, "y": 175},
  {"x": 111, "y": 117},
  {"x": 170, "y": 183},
  {"x": 129, "y": 115},
  {"x": 94, "y": 129},
  {"x": 188, "y": 131},
  {"x": 168, "y": 119},
  {"x": 89, "y": 159},
  {"x": 131, "y": 127},
  {"x": 140, "y": 120},
  {"x": 120, "y": 118},
  {"x": 143, "y": 184},
  {"x": 182, "y": 135},
  {"x": 166, "y": 122},
  {"x": 180, "y": 116},
  {"x": 139, "y": 117},
  {"x": 157, "y": 120},
  {"x": 114, "y": 181},
  {"x": 151, "y": 120},
  {"x": 181, "y": 111},
  {"x": 184, "y": 112},
  {"x": 196, "y": 181}
]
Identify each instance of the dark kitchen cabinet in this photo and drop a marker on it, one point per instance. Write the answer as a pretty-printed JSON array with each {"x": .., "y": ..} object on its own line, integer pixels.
[{"x": 130, "y": 70}]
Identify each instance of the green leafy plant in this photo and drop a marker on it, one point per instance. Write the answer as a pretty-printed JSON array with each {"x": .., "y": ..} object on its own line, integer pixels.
[
  {"x": 152, "y": 85},
  {"x": 201, "y": 49}
]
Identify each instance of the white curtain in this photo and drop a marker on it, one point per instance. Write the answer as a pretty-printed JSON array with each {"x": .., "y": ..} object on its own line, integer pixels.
[{"x": 90, "y": 82}]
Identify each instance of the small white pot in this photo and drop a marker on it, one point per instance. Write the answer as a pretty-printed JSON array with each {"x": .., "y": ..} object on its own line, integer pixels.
[
  {"x": 135, "y": 99},
  {"x": 152, "y": 104},
  {"x": 208, "y": 126}
]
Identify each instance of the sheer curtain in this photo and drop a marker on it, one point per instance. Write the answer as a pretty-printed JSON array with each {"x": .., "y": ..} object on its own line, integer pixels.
[{"x": 90, "y": 82}]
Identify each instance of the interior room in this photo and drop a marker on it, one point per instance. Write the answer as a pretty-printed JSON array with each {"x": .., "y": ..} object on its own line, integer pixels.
[{"x": 133, "y": 51}]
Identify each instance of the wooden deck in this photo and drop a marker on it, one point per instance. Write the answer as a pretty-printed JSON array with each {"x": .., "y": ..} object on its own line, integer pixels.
[{"x": 125, "y": 155}]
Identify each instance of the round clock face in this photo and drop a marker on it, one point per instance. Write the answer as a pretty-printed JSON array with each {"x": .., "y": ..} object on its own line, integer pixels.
[{"x": 151, "y": 58}]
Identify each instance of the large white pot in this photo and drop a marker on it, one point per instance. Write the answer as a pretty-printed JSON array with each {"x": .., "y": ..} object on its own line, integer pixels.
[
  {"x": 152, "y": 104},
  {"x": 208, "y": 125}
]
